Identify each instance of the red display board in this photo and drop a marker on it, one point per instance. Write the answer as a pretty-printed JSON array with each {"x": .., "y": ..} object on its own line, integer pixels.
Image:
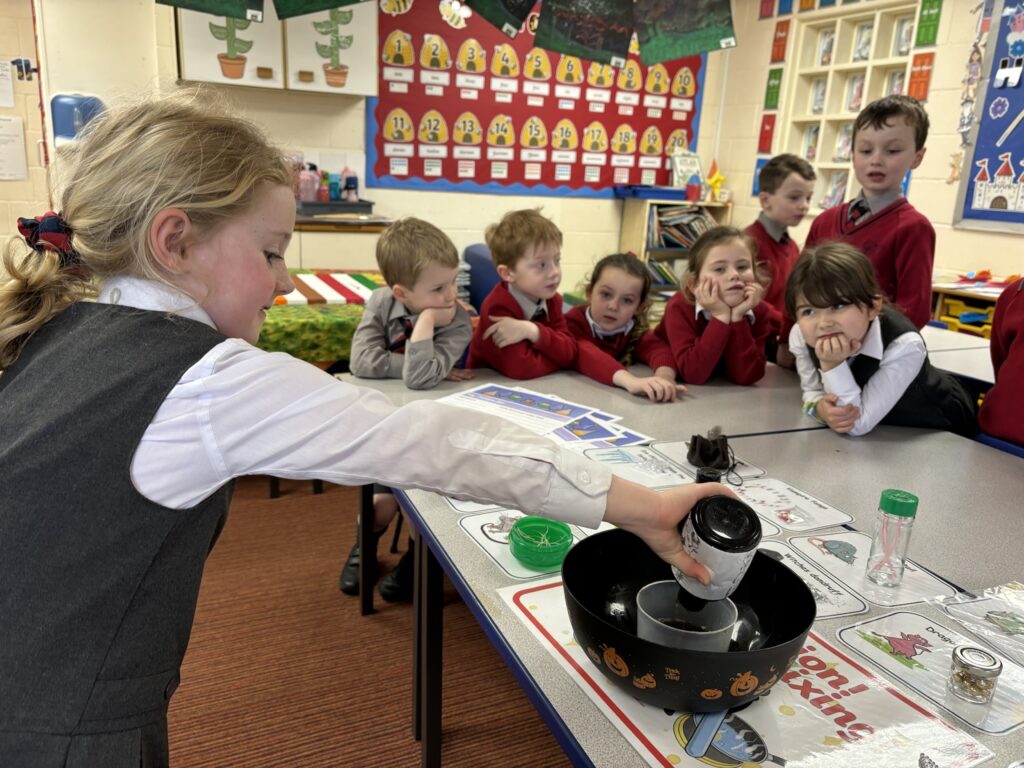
[{"x": 471, "y": 109}]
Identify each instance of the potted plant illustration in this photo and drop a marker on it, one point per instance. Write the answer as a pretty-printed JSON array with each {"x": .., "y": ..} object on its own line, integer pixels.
[
  {"x": 232, "y": 63},
  {"x": 335, "y": 72}
]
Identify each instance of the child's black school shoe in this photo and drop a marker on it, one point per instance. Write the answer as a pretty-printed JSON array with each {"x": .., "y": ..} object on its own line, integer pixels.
[
  {"x": 396, "y": 586},
  {"x": 348, "y": 581}
]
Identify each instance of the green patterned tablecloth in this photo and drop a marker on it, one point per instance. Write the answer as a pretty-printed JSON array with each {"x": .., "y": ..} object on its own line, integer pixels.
[{"x": 316, "y": 333}]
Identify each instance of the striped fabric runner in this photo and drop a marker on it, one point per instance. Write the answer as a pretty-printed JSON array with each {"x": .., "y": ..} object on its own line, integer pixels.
[{"x": 332, "y": 288}]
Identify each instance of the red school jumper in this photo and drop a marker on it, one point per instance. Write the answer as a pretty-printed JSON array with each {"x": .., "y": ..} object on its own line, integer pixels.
[
  {"x": 554, "y": 350},
  {"x": 702, "y": 347},
  {"x": 1000, "y": 414},
  {"x": 599, "y": 356},
  {"x": 900, "y": 244},
  {"x": 777, "y": 259}
]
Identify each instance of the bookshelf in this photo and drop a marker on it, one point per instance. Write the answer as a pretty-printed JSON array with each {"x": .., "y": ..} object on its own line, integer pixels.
[
  {"x": 643, "y": 234},
  {"x": 636, "y": 233},
  {"x": 845, "y": 59}
]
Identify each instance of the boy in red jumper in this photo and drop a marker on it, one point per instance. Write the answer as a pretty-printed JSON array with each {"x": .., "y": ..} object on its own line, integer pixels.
[
  {"x": 1000, "y": 414},
  {"x": 786, "y": 185},
  {"x": 888, "y": 140},
  {"x": 522, "y": 332}
]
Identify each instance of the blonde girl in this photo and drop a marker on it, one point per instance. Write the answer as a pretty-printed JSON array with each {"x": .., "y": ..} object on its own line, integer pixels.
[
  {"x": 717, "y": 323},
  {"x": 612, "y": 330},
  {"x": 124, "y": 420}
]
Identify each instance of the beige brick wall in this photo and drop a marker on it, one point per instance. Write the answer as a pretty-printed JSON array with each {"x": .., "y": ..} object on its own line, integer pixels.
[{"x": 29, "y": 197}]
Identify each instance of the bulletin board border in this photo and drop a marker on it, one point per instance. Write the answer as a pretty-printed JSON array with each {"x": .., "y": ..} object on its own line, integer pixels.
[
  {"x": 388, "y": 181},
  {"x": 961, "y": 220}
]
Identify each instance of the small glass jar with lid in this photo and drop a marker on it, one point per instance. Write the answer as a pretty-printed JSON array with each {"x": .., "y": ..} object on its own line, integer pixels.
[{"x": 973, "y": 674}]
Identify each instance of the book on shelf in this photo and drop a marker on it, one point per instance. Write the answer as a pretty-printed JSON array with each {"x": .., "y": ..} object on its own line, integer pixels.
[
  {"x": 661, "y": 274},
  {"x": 677, "y": 226}
]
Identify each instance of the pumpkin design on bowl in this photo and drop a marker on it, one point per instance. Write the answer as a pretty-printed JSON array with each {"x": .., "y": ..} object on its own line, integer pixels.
[
  {"x": 743, "y": 684},
  {"x": 615, "y": 662}
]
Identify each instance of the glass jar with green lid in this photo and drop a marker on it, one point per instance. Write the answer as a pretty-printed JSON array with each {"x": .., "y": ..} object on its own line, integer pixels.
[{"x": 888, "y": 557}]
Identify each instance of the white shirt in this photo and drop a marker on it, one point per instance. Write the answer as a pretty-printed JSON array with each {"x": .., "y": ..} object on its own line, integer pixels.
[
  {"x": 898, "y": 366},
  {"x": 242, "y": 411},
  {"x": 601, "y": 333}
]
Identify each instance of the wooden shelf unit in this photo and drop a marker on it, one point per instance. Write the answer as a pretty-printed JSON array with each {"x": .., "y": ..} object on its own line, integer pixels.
[
  {"x": 811, "y": 126},
  {"x": 636, "y": 216}
]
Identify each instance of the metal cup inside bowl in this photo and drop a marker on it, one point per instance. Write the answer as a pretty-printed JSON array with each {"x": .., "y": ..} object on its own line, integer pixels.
[{"x": 662, "y": 619}]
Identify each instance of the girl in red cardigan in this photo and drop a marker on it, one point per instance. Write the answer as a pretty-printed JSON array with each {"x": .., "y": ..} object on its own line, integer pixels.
[
  {"x": 612, "y": 330},
  {"x": 717, "y": 322}
]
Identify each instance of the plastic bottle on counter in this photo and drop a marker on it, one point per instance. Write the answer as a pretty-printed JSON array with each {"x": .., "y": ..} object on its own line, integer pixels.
[
  {"x": 309, "y": 182},
  {"x": 323, "y": 192},
  {"x": 893, "y": 526},
  {"x": 349, "y": 185}
]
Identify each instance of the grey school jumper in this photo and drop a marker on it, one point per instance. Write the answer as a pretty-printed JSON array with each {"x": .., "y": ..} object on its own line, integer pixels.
[{"x": 98, "y": 585}]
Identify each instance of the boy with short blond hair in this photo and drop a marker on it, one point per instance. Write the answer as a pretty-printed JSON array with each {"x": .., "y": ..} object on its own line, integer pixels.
[
  {"x": 785, "y": 189},
  {"x": 888, "y": 140},
  {"x": 415, "y": 330},
  {"x": 522, "y": 332}
]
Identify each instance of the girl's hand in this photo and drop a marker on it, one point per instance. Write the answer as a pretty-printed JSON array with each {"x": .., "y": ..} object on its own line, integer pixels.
[
  {"x": 833, "y": 350},
  {"x": 655, "y": 518},
  {"x": 707, "y": 295},
  {"x": 507, "y": 330},
  {"x": 839, "y": 418},
  {"x": 459, "y": 374},
  {"x": 752, "y": 295},
  {"x": 654, "y": 388}
]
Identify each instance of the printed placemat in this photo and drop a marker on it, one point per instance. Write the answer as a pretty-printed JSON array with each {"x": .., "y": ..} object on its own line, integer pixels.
[
  {"x": 996, "y": 616},
  {"x": 844, "y": 554},
  {"x": 831, "y": 596},
  {"x": 641, "y": 465},
  {"x": 917, "y": 651},
  {"x": 789, "y": 507},
  {"x": 827, "y": 711}
]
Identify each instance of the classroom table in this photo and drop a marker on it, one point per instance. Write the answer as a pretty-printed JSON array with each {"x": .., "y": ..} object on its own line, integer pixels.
[
  {"x": 770, "y": 405},
  {"x": 965, "y": 528},
  {"x": 971, "y": 511},
  {"x": 943, "y": 339},
  {"x": 969, "y": 526},
  {"x": 974, "y": 364}
]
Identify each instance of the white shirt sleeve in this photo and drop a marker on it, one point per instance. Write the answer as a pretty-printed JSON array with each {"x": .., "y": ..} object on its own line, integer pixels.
[
  {"x": 810, "y": 378},
  {"x": 241, "y": 411},
  {"x": 901, "y": 362}
]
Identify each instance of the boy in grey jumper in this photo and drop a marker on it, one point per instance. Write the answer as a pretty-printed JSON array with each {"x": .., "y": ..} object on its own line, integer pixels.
[{"x": 415, "y": 330}]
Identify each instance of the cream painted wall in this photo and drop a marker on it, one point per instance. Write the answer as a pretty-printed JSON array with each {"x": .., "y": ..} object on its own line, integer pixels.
[
  {"x": 29, "y": 197},
  {"x": 743, "y": 94}
]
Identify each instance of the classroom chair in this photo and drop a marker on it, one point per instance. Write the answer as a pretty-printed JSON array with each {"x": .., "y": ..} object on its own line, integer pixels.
[
  {"x": 482, "y": 274},
  {"x": 1002, "y": 445}
]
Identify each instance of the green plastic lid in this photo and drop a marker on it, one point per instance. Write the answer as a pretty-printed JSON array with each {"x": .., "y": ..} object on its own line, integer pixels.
[
  {"x": 539, "y": 543},
  {"x": 897, "y": 502}
]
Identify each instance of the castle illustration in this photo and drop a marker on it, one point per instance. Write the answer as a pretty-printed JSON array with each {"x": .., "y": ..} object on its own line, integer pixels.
[{"x": 1002, "y": 190}]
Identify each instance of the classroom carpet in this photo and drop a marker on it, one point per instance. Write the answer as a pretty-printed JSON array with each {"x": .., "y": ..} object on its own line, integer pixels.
[{"x": 283, "y": 671}]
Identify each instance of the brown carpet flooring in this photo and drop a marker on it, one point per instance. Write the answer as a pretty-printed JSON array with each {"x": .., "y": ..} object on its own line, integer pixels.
[{"x": 283, "y": 671}]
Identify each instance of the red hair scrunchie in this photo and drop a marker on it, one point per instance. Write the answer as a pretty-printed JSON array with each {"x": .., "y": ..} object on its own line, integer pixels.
[{"x": 50, "y": 230}]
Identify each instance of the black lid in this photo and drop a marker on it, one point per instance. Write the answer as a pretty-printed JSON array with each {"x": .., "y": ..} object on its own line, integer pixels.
[
  {"x": 726, "y": 523},
  {"x": 709, "y": 475}
]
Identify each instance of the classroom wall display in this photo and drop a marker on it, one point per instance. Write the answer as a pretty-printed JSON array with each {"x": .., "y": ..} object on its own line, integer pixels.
[
  {"x": 330, "y": 51},
  {"x": 991, "y": 194},
  {"x": 465, "y": 107}
]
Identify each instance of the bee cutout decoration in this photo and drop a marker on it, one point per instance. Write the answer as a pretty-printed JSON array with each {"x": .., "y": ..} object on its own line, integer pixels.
[
  {"x": 434, "y": 54},
  {"x": 501, "y": 133},
  {"x": 629, "y": 77},
  {"x": 600, "y": 75},
  {"x": 398, "y": 50},
  {"x": 505, "y": 62},
  {"x": 595, "y": 138},
  {"x": 684, "y": 84},
  {"x": 657, "y": 79},
  {"x": 398, "y": 126},
  {"x": 433, "y": 128},
  {"x": 564, "y": 136},
  {"x": 624, "y": 141},
  {"x": 534, "y": 133},
  {"x": 650, "y": 142},
  {"x": 471, "y": 57},
  {"x": 467, "y": 129},
  {"x": 570, "y": 70}
]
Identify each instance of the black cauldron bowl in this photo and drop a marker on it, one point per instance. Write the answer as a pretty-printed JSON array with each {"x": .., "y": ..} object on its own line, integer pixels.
[{"x": 618, "y": 564}]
